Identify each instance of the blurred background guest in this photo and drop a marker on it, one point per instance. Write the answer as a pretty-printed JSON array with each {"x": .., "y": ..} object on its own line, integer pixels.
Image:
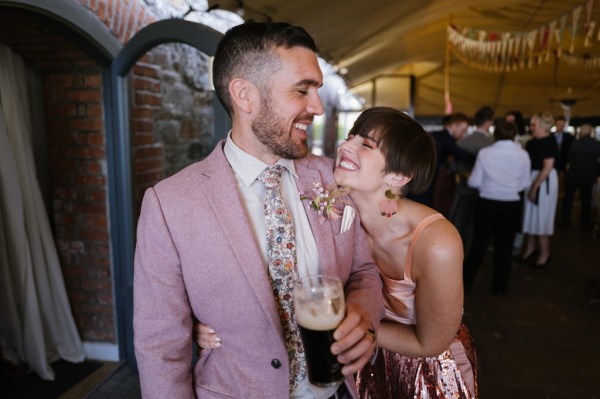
[
  {"x": 440, "y": 192},
  {"x": 564, "y": 140},
  {"x": 542, "y": 195},
  {"x": 522, "y": 138},
  {"x": 516, "y": 117},
  {"x": 582, "y": 162},
  {"x": 500, "y": 173},
  {"x": 465, "y": 197}
]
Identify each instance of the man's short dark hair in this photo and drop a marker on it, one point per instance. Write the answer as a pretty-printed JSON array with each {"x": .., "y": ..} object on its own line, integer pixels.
[
  {"x": 456, "y": 117},
  {"x": 484, "y": 114},
  {"x": 519, "y": 121},
  {"x": 247, "y": 51},
  {"x": 505, "y": 131}
]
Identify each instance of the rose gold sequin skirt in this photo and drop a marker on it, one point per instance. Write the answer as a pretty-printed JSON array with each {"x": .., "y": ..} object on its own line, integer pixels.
[{"x": 453, "y": 374}]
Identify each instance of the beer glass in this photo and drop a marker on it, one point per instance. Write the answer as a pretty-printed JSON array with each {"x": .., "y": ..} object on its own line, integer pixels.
[{"x": 319, "y": 307}]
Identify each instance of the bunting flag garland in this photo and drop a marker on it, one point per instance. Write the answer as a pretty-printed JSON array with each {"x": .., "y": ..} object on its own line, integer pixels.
[
  {"x": 516, "y": 54},
  {"x": 531, "y": 45},
  {"x": 512, "y": 51},
  {"x": 550, "y": 38}
]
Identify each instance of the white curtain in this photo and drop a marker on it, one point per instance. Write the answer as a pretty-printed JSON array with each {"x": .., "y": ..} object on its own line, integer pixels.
[{"x": 36, "y": 325}]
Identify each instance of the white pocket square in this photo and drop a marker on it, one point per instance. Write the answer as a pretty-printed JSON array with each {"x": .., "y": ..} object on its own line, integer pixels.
[{"x": 347, "y": 219}]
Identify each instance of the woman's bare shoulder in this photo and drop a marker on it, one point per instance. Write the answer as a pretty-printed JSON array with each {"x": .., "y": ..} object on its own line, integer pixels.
[{"x": 439, "y": 244}]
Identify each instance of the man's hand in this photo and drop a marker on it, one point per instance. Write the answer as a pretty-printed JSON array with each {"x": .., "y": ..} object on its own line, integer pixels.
[{"x": 355, "y": 339}]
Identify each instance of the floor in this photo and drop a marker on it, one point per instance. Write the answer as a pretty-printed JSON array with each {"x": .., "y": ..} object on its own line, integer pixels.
[
  {"x": 540, "y": 341},
  {"x": 122, "y": 384},
  {"x": 93, "y": 381}
]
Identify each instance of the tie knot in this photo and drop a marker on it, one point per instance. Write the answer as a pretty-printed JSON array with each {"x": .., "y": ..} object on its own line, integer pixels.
[{"x": 270, "y": 176}]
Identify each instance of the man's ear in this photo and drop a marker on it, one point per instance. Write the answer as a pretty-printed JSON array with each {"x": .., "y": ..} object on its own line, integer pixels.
[
  {"x": 243, "y": 95},
  {"x": 397, "y": 180}
]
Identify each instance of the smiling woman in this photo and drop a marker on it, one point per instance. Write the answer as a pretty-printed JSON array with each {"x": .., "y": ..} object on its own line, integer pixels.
[{"x": 419, "y": 254}]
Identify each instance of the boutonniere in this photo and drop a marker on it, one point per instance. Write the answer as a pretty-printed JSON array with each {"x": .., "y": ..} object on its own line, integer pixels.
[{"x": 324, "y": 200}]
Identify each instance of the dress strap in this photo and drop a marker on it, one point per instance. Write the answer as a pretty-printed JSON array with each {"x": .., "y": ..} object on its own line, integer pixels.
[{"x": 420, "y": 227}]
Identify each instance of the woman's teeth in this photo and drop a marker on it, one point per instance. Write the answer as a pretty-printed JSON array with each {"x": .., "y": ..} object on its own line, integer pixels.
[{"x": 348, "y": 165}]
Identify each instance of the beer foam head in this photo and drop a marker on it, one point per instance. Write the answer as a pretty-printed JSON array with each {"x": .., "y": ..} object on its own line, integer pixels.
[{"x": 319, "y": 316}]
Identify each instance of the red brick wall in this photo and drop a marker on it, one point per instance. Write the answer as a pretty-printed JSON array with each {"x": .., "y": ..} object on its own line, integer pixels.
[
  {"x": 148, "y": 154},
  {"x": 123, "y": 17},
  {"x": 77, "y": 169}
]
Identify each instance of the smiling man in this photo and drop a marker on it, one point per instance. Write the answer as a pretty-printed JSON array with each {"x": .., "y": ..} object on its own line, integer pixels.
[{"x": 204, "y": 247}]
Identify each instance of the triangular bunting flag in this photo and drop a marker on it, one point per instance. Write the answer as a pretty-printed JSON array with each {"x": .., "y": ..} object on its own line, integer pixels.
[{"x": 576, "y": 13}]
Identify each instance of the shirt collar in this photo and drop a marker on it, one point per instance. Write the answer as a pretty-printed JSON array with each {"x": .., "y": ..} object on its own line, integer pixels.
[
  {"x": 248, "y": 167},
  {"x": 506, "y": 143}
]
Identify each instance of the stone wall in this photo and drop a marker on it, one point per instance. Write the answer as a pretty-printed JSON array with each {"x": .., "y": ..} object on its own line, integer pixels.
[{"x": 184, "y": 123}]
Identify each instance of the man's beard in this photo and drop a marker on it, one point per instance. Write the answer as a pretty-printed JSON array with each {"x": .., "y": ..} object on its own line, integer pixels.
[{"x": 273, "y": 134}]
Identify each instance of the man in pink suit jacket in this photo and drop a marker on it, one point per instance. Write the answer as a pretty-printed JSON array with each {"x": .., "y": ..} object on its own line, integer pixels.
[{"x": 197, "y": 255}]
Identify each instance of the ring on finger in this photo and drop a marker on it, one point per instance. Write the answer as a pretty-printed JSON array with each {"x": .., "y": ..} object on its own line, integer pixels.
[{"x": 371, "y": 333}]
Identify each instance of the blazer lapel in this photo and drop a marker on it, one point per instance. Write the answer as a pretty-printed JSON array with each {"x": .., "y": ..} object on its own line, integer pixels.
[
  {"x": 324, "y": 232},
  {"x": 221, "y": 193}
]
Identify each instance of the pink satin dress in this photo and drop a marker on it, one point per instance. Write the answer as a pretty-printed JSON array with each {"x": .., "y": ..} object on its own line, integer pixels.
[{"x": 452, "y": 374}]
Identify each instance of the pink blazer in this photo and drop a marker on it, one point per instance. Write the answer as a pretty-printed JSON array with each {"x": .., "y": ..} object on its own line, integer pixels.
[{"x": 196, "y": 257}]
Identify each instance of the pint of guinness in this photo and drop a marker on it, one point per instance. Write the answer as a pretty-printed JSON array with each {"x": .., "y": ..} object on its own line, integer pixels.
[{"x": 319, "y": 307}]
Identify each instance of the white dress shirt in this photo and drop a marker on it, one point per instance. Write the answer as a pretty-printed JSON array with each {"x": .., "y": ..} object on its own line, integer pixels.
[
  {"x": 501, "y": 171},
  {"x": 246, "y": 169}
]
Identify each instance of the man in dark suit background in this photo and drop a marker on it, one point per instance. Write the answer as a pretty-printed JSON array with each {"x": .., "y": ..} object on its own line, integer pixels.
[
  {"x": 440, "y": 193},
  {"x": 581, "y": 171},
  {"x": 465, "y": 198},
  {"x": 564, "y": 141}
]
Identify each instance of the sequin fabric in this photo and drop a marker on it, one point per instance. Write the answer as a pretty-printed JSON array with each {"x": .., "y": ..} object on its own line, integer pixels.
[
  {"x": 402, "y": 377},
  {"x": 281, "y": 252}
]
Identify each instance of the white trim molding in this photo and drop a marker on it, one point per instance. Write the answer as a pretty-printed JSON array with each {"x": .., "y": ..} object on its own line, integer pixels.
[{"x": 101, "y": 351}]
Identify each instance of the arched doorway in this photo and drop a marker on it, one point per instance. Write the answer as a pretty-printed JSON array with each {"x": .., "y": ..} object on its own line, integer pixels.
[{"x": 119, "y": 146}]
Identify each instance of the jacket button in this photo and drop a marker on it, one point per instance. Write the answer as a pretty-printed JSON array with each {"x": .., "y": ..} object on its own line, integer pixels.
[{"x": 275, "y": 363}]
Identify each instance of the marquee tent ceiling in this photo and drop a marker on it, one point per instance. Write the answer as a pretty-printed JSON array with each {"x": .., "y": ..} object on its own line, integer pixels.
[{"x": 382, "y": 39}]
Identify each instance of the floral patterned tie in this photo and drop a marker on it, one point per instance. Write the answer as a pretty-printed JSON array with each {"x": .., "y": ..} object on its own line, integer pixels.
[{"x": 281, "y": 251}]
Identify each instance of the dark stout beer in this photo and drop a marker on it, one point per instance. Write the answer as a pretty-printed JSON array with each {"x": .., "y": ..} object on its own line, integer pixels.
[
  {"x": 319, "y": 307},
  {"x": 323, "y": 367}
]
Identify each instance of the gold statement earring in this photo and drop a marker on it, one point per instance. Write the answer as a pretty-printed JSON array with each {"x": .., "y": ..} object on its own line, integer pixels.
[{"x": 388, "y": 206}]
